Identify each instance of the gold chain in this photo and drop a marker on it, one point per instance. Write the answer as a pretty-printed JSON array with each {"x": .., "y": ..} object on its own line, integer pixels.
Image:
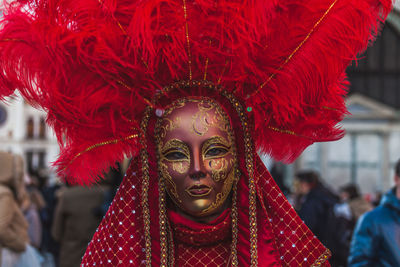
[
  {"x": 250, "y": 170},
  {"x": 145, "y": 188},
  {"x": 163, "y": 223}
]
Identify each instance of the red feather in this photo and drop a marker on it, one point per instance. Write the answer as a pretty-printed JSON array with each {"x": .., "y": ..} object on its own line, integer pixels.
[{"x": 94, "y": 65}]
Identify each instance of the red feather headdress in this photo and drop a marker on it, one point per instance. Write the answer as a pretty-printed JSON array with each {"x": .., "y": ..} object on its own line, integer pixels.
[{"x": 94, "y": 65}]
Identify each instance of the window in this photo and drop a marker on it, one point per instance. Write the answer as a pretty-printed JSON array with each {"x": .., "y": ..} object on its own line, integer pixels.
[
  {"x": 42, "y": 129},
  {"x": 30, "y": 128}
]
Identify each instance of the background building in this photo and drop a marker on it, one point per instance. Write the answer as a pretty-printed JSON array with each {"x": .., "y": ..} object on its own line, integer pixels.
[{"x": 23, "y": 131}]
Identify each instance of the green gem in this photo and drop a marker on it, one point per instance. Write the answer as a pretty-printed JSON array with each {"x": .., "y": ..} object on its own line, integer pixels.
[{"x": 249, "y": 109}]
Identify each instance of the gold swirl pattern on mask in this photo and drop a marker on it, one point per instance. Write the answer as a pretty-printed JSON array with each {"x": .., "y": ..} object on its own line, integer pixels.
[
  {"x": 202, "y": 120},
  {"x": 219, "y": 171},
  {"x": 223, "y": 195},
  {"x": 175, "y": 105},
  {"x": 174, "y": 145},
  {"x": 218, "y": 164},
  {"x": 219, "y": 168},
  {"x": 216, "y": 140},
  {"x": 181, "y": 166},
  {"x": 169, "y": 182},
  {"x": 169, "y": 125}
]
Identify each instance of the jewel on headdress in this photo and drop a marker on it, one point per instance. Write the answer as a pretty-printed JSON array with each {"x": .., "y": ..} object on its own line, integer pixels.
[{"x": 159, "y": 112}]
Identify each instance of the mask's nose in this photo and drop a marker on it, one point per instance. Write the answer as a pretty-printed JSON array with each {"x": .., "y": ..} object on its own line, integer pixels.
[{"x": 197, "y": 170}]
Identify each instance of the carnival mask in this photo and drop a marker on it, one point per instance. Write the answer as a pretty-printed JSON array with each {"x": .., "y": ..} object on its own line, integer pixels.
[{"x": 197, "y": 156}]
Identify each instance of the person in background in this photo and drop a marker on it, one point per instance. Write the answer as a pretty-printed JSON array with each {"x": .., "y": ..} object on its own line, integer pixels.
[
  {"x": 347, "y": 212},
  {"x": 354, "y": 202},
  {"x": 31, "y": 206},
  {"x": 13, "y": 226},
  {"x": 277, "y": 173},
  {"x": 113, "y": 178},
  {"x": 315, "y": 205},
  {"x": 314, "y": 199},
  {"x": 75, "y": 221},
  {"x": 49, "y": 247},
  {"x": 376, "y": 238}
]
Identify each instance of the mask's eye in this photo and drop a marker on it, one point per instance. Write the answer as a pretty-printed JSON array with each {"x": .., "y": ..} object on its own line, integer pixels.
[
  {"x": 216, "y": 152},
  {"x": 175, "y": 155}
]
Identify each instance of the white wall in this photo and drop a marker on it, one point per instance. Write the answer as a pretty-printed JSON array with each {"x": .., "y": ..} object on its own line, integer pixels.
[{"x": 397, "y": 5}]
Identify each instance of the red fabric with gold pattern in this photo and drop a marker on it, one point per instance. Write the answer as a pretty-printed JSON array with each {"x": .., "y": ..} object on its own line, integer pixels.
[
  {"x": 298, "y": 246},
  {"x": 119, "y": 238},
  {"x": 118, "y": 241},
  {"x": 282, "y": 238},
  {"x": 198, "y": 244}
]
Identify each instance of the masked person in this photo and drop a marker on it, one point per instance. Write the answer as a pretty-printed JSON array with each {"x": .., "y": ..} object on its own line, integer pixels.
[{"x": 191, "y": 90}]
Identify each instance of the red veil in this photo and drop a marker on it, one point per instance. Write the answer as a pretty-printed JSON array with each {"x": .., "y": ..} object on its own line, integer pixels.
[
  {"x": 101, "y": 69},
  {"x": 132, "y": 228}
]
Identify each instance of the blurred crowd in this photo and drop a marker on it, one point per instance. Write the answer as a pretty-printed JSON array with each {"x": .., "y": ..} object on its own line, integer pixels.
[
  {"x": 47, "y": 224},
  {"x": 358, "y": 232},
  {"x": 50, "y": 224}
]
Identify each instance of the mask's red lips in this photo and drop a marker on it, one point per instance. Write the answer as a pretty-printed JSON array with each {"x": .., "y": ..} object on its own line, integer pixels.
[{"x": 198, "y": 190}]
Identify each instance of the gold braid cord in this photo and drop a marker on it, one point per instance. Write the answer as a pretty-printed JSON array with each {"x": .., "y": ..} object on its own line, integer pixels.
[
  {"x": 250, "y": 169},
  {"x": 109, "y": 142},
  {"x": 146, "y": 179},
  {"x": 187, "y": 39}
]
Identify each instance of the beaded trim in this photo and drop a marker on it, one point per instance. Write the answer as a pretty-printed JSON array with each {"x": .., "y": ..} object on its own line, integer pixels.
[
  {"x": 191, "y": 83},
  {"x": 164, "y": 229},
  {"x": 163, "y": 224},
  {"x": 250, "y": 170},
  {"x": 145, "y": 171},
  {"x": 321, "y": 259},
  {"x": 234, "y": 218}
]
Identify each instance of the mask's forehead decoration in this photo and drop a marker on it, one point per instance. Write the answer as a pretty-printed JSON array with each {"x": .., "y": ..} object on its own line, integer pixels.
[{"x": 209, "y": 114}]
